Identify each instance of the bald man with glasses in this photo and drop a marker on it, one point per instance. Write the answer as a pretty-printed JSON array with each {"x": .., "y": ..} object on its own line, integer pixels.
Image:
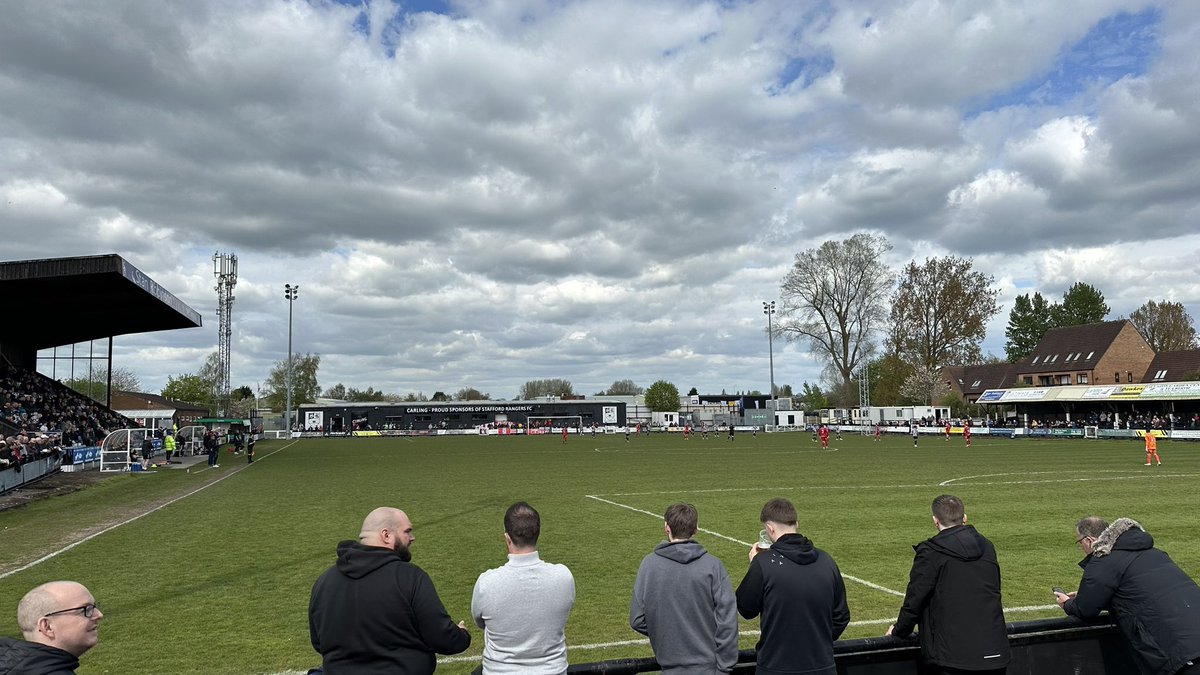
[{"x": 58, "y": 621}]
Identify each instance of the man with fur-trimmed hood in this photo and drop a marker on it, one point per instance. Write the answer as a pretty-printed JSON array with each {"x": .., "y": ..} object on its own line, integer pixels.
[{"x": 1156, "y": 604}]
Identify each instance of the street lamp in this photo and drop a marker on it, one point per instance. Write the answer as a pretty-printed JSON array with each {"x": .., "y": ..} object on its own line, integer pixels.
[
  {"x": 769, "y": 309},
  {"x": 291, "y": 293}
]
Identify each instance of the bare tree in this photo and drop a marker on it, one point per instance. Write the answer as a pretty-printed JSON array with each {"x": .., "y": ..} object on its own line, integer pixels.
[
  {"x": 1166, "y": 325},
  {"x": 624, "y": 388},
  {"x": 549, "y": 387},
  {"x": 940, "y": 313},
  {"x": 834, "y": 300},
  {"x": 470, "y": 394}
]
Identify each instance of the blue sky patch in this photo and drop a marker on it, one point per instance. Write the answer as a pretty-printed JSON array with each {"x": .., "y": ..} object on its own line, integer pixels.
[{"x": 1117, "y": 46}]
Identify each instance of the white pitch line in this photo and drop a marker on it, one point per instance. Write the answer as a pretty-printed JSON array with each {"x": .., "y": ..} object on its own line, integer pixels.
[
  {"x": 851, "y": 577},
  {"x": 110, "y": 528},
  {"x": 809, "y": 488}
]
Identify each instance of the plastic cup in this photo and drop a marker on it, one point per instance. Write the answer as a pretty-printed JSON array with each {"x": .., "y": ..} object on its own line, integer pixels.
[{"x": 764, "y": 539}]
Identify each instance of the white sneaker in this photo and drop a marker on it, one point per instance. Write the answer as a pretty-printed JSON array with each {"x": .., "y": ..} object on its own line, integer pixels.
[
  {"x": 1147, "y": 463},
  {"x": 217, "y": 466}
]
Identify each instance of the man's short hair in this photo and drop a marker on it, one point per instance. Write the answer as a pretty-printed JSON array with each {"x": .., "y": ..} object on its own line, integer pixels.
[
  {"x": 948, "y": 510},
  {"x": 779, "y": 510},
  {"x": 1090, "y": 526},
  {"x": 523, "y": 525},
  {"x": 682, "y": 519}
]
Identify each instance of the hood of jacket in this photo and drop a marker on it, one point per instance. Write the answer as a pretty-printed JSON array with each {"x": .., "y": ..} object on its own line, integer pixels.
[
  {"x": 797, "y": 548},
  {"x": 357, "y": 561},
  {"x": 961, "y": 542},
  {"x": 682, "y": 552},
  {"x": 1124, "y": 534}
]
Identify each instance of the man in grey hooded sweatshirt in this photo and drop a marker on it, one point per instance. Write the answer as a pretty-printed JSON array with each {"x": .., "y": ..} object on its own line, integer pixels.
[{"x": 683, "y": 600}]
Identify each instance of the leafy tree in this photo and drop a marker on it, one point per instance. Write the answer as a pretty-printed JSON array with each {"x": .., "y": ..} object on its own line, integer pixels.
[
  {"x": 1166, "y": 325},
  {"x": 95, "y": 384},
  {"x": 662, "y": 396},
  {"x": 190, "y": 389},
  {"x": 365, "y": 395},
  {"x": 1028, "y": 321},
  {"x": 552, "y": 387},
  {"x": 833, "y": 300},
  {"x": 439, "y": 396},
  {"x": 887, "y": 375},
  {"x": 471, "y": 394},
  {"x": 941, "y": 309},
  {"x": 693, "y": 392},
  {"x": 337, "y": 391},
  {"x": 785, "y": 391},
  {"x": 304, "y": 381},
  {"x": 812, "y": 398},
  {"x": 1082, "y": 303},
  {"x": 241, "y": 393},
  {"x": 924, "y": 386},
  {"x": 624, "y": 388},
  {"x": 415, "y": 397}
]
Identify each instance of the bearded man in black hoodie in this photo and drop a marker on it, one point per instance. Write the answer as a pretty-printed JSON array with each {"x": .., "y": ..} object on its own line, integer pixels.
[
  {"x": 953, "y": 594},
  {"x": 800, "y": 593},
  {"x": 376, "y": 612}
]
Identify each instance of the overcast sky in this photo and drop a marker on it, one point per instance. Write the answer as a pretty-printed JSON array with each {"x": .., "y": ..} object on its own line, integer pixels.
[{"x": 483, "y": 193}]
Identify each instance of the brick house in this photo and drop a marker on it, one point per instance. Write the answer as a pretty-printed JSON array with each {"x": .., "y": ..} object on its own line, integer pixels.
[{"x": 1109, "y": 352}]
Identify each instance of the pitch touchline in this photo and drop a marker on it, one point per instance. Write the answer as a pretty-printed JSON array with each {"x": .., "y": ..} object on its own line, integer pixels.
[
  {"x": 110, "y": 528},
  {"x": 851, "y": 577},
  {"x": 743, "y": 633},
  {"x": 805, "y": 488}
]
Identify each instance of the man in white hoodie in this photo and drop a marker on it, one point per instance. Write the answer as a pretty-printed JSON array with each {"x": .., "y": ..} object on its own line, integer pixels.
[{"x": 683, "y": 601}]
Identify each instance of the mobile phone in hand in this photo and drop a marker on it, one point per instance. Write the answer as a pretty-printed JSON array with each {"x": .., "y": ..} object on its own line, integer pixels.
[{"x": 1057, "y": 589}]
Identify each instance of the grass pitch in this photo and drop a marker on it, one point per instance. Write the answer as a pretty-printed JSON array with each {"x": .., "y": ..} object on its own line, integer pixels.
[{"x": 218, "y": 581}]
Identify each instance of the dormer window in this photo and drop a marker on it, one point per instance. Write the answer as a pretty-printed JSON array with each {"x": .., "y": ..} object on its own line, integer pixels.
[
  {"x": 1090, "y": 355},
  {"x": 1035, "y": 359},
  {"x": 1161, "y": 375},
  {"x": 976, "y": 383},
  {"x": 1053, "y": 358}
]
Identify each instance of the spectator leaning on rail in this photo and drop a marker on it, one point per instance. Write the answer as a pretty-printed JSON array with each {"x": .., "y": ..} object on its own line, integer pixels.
[
  {"x": 683, "y": 600},
  {"x": 954, "y": 595},
  {"x": 800, "y": 593},
  {"x": 58, "y": 621},
  {"x": 1156, "y": 604},
  {"x": 523, "y": 606},
  {"x": 374, "y": 612}
]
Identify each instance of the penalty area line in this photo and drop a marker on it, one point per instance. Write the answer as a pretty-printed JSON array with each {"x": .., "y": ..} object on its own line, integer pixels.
[
  {"x": 139, "y": 516},
  {"x": 851, "y": 577}
]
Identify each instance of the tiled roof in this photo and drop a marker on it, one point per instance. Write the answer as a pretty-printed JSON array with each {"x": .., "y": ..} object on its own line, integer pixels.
[
  {"x": 1173, "y": 366},
  {"x": 1071, "y": 347},
  {"x": 977, "y": 379},
  {"x": 154, "y": 401}
]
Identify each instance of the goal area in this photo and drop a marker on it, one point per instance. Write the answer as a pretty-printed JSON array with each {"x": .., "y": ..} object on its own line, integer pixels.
[{"x": 547, "y": 423}]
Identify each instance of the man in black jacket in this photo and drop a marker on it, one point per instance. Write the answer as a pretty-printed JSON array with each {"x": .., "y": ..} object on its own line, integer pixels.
[
  {"x": 376, "y": 612},
  {"x": 800, "y": 593},
  {"x": 1156, "y": 604},
  {"x": 953, "y": 594},
  {"x": 58, "y": 621}
]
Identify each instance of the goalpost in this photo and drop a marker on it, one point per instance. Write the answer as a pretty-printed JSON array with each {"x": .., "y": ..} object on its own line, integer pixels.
[{"x": 545, "y": 424}]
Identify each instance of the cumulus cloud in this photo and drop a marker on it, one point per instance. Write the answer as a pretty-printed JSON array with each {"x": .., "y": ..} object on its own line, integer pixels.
[{"x": 589, "y": 190}]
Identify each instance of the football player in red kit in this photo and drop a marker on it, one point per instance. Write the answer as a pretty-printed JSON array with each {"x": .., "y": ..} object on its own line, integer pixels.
[{"x": 824, "y": 433}]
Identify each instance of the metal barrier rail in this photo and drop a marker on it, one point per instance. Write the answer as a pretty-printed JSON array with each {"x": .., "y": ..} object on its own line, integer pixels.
[{"x": 1043, "y": 647}]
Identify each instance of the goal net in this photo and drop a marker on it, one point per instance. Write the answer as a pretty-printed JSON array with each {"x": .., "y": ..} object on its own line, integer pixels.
[{"x": 549, "y": 424}]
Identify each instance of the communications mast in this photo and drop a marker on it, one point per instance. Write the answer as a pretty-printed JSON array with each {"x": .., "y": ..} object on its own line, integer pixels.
[{"x": 225, "y": 269}]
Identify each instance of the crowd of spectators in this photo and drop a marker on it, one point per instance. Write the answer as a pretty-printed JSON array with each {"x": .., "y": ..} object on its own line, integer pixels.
[{"x": 41, "y": 418}]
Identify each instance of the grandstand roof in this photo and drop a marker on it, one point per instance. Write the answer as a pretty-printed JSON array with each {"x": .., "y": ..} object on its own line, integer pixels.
[
  {"x": 1093, "y": 339},
  {"x": 87, "y": 298}
]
